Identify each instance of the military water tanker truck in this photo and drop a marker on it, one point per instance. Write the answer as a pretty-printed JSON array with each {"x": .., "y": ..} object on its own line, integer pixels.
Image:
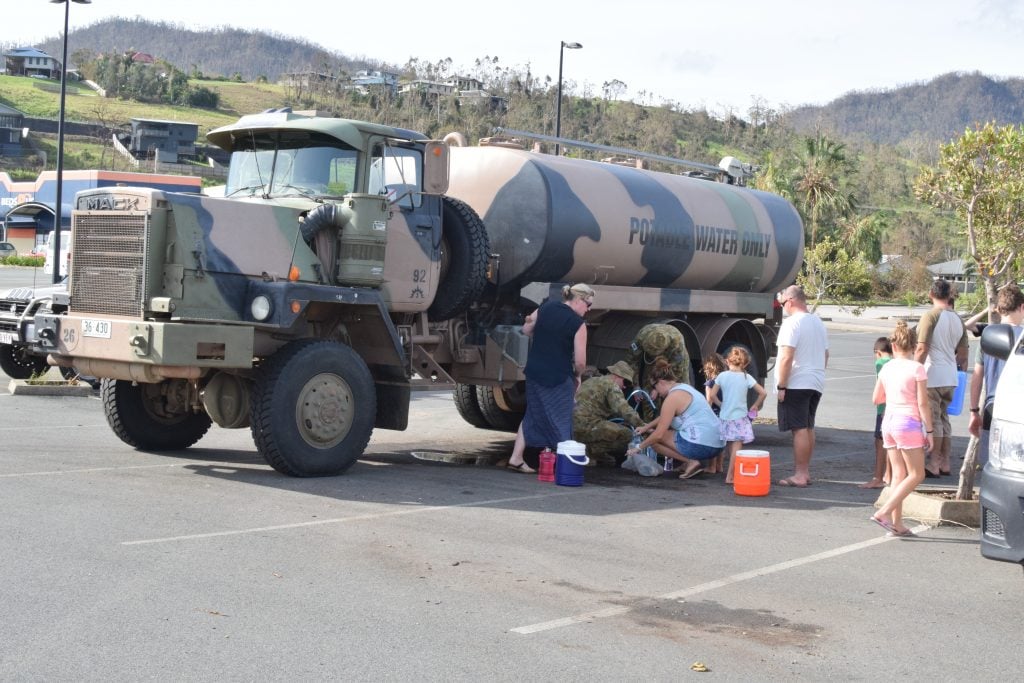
[{"x": 348, "y": 262}]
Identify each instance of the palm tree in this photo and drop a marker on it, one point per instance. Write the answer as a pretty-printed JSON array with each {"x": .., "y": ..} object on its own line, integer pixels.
[{"x": 818, "y": 184}]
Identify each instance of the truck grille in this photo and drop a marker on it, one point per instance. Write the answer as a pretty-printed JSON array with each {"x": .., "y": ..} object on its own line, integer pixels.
[{"x": 108, "y": 263}]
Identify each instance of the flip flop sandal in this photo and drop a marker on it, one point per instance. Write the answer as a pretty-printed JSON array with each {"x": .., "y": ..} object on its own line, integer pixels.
[
  {"x": 884, "y": 524},
  {"x": 906, "y": 533},
  {"x": 522, "y": 468},
  {"x": 691, "y": 474}
]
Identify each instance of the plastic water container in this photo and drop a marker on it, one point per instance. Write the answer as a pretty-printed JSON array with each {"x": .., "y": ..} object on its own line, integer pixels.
[
  {"x": 956, "y": 406},
  {"x": 572, "y": 457},
  {"x": 752, "y": 473},
  {"x": 546, "y": 465}
]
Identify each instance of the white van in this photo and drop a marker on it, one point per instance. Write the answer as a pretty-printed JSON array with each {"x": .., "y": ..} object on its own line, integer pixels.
[
  {"x": 65, "y": 253},
  {"x": 1002, "y": 483}
]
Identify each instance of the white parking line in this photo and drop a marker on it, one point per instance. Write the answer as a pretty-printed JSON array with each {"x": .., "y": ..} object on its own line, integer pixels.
[
  {"x": 357, "y": 518},
  {"x": 14, "y": 475},
  {"x": 710, "y": 585},
  {"x": 35, "y": 427}
]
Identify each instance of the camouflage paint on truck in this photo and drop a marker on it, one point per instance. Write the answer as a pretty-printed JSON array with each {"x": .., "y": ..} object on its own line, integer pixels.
[
  {"x": 348, "y": 261},
  {"x": 570, "y": 220}
]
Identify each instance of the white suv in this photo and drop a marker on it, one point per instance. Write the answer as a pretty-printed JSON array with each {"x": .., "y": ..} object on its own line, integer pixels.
[{"x": 1002, "y": 483}]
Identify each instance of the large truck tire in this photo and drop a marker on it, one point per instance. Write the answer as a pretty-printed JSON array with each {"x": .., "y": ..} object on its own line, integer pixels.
[
  {"x": 496, "y": 416},
  {"x": 313, "y": 408},
  {"x": 465, "y": 251},
  {"x": 138, "y": 414},
  {"x": 17, "y": 363},
  {"x": 464, "y": 396}
]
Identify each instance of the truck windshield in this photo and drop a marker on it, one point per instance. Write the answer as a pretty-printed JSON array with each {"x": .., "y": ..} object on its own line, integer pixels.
[{"x": 291, "y": 163}]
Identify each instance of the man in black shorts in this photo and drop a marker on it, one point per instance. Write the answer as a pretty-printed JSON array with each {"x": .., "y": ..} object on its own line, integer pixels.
[{"x": 800, "y": 378}]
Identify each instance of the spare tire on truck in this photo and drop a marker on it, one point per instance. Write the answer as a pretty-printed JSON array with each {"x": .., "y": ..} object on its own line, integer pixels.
[{"x": 465, "y": 251}]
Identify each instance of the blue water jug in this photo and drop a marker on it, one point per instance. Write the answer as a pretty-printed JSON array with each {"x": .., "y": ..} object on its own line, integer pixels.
[{"x": 956, "y": 406}]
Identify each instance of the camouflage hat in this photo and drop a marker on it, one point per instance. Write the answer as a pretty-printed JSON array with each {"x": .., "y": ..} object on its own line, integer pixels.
[
  {"x": 623, "y": 370},
  {"x": 656, "y": 340}
]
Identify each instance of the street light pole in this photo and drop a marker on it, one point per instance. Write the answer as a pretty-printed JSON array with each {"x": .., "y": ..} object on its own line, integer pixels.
[
  {"x": 558, "y": 106},
  {"x": 58, "y": 218}
]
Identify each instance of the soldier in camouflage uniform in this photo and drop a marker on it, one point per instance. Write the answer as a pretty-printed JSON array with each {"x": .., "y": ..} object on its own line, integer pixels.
[
  {"x": 652, "y": 341},
  {"x": 598, "y": 400}
]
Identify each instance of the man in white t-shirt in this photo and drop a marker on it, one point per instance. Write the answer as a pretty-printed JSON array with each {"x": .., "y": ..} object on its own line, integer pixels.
[
  {"x": 942, "y": 348},
  {"x": 800, "y": 378}
]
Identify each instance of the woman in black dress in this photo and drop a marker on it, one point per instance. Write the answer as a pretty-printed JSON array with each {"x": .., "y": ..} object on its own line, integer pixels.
[{"x": 557, "y": 358}]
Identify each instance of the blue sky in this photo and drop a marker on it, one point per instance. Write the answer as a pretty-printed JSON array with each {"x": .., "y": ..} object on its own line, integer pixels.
[{"x": 720, "y": 55}]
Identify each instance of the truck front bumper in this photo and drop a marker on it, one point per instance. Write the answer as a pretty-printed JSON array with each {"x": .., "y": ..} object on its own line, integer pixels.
[{"x": 126, "y": 341}]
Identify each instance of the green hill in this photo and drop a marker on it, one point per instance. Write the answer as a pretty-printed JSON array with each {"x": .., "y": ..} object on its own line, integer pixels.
[
  {"x": 222, "y": 51},
  {"x": 932, "y": 112}
]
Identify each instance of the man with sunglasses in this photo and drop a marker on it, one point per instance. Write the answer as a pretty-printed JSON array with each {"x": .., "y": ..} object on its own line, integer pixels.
[{"x": 800, "y": 378}]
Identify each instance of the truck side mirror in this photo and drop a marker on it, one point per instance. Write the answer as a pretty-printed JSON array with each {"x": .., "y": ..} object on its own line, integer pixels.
[{"x": 435, "y": 168}]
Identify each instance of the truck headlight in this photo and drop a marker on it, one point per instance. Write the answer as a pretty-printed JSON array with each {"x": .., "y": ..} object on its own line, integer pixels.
[
  {"x": 260, "y": 308},
  {"x": 1006, "y": 446}
]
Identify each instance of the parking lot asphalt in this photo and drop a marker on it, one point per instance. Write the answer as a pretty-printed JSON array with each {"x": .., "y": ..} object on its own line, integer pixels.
[{"x": 205, "y": 564}]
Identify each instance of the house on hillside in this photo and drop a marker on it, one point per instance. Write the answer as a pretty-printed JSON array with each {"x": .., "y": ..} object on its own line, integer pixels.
[
  {"x": 376, "y": 80},
  {"x": 960, "y": 272},
  {"x": 28, "y": 61},
  {"x": 12, "y": 123},
  {"x": 164, "y": 141},
  {"x": 482, "y": 98},
  {"x": 428, "y": 87}
]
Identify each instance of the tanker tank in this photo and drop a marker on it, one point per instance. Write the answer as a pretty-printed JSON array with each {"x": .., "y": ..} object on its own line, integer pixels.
[{"x": 556, "y": 219}]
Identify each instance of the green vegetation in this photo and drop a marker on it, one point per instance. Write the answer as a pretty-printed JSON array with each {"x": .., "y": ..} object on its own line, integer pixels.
[
  {"x": 19, "y": 260},
  {"x": 980, "y": 176},
  {"x": 19, "y": 93}
]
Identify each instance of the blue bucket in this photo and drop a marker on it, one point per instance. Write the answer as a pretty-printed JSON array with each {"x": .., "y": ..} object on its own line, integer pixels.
[{"x": 572, "y": 456}]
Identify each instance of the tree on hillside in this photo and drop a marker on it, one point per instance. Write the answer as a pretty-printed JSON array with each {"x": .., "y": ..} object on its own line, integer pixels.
[
  {"x": 818, "y": 183},
  {"x": 980, "y": 176},
  {"x": 862, "y": 234}
]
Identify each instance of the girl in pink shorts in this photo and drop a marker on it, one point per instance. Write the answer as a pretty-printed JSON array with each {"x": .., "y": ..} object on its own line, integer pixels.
[{"x": 906, "y": 427}]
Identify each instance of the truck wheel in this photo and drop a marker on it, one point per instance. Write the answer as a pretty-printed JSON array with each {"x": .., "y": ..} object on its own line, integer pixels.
[
  {"x": 140, "y": 416},
  {"x": 465, "y": 251},
  {"x": 466, "y": 403},
  {"x": 17, "y": 363},
  {"x": 313, "y": 408},
  {"x": 497, "y": 417}
]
